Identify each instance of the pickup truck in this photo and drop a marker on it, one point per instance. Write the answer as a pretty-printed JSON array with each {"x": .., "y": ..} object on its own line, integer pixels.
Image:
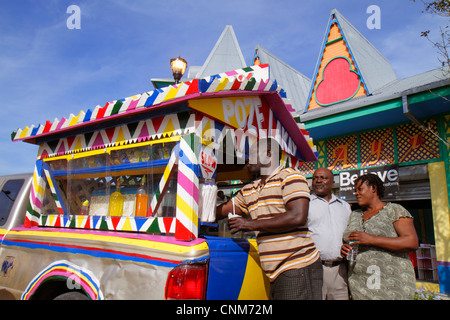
[
  {"x": 75, "y": 227},
  {"x": 60, "y": 263}
]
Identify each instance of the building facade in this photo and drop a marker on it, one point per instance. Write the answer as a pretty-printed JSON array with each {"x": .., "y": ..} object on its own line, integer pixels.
[{"x": 364, "y": 119}]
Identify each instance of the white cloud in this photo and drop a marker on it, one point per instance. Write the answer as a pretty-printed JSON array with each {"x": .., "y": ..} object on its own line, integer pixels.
[{"x": 408, "y": 52}]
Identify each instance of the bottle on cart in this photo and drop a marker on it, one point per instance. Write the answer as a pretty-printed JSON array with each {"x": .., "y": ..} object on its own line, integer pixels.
[
  {"x": 141, "y": 200},
  {"x": 116, "y": 201},
  {"x": 85, "y": 208}
]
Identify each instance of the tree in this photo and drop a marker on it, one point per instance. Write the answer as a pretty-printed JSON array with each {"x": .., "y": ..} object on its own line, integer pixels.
[{"x": 441, "y": 8}]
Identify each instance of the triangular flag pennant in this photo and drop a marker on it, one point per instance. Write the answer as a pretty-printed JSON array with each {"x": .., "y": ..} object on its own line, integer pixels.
[
  {"x": 154, "y": 227},
  {"x": 143, "y": 133},
  {"x": 98, "y": 142},
  {"x": 167, "y": 223},
  {"x": 139, "y": 222},
  {"x": 157, "y": 123}
]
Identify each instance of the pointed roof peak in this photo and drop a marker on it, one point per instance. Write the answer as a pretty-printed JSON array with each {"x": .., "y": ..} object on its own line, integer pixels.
[
  {"x": 375, "y": 67},
  {"x": 334, "y": 11},
  {"x": 359, "y": 68},
  {"x": 226, "y": 55},
  {"x": 354, "y": 35}
]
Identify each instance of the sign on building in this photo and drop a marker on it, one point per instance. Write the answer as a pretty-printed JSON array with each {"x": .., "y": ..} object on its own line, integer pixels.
[{"x": 388, "y": 174}]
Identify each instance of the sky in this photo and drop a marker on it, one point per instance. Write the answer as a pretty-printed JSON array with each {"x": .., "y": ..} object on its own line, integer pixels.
[{"x": 49, "y": 70}]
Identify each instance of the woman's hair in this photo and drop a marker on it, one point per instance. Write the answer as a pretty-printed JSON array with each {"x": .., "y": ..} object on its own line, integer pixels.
[{"x": 374, "y": 181}]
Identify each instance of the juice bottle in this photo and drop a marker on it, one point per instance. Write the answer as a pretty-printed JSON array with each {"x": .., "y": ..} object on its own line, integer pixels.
[
  {"x": 141, "y": 200},
  {"x": 84, "y": 208},
  {"x": 116, "y": 202}
]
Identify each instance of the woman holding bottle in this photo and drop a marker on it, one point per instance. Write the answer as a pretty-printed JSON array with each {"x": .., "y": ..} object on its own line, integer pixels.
[{"x": 384, "y": 233}]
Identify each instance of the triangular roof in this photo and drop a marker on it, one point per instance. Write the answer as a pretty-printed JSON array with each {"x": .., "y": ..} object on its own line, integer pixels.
[
  {"x": 226, "y": 55},
  {"x": 343, "y": 46},
  {"x": 295, "y": 83}
]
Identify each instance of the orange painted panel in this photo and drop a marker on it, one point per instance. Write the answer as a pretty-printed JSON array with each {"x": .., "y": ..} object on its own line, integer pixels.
[{"x": 332, "y": 50}]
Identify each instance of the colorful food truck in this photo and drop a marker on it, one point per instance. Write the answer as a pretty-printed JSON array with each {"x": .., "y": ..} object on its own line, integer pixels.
[{"x": 122, "y": 199}]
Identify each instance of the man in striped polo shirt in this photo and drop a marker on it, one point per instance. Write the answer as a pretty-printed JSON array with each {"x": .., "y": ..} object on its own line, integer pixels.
[{"x": 277, "y": 202}]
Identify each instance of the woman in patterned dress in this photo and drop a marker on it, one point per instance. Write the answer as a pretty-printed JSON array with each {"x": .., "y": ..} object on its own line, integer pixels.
[{"x": 384, "y": 233}]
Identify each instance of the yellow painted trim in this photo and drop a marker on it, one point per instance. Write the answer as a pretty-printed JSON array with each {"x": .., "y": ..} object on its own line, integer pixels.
[
  {"x": 108, "y": 150},
  {"x": 440, "y": 206},
  {"x": 146, "y": 143}
]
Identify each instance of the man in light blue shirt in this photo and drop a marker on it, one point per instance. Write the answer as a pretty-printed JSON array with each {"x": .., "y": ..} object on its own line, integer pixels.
[{"x": 327, "y": 220}]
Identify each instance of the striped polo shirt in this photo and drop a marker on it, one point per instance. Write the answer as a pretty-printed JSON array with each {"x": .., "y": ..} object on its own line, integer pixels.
[{"x": 282, "y": 251}]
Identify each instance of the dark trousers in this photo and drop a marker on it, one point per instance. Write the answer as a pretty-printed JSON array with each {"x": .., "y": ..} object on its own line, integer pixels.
[{"x": 299, "y": 284}]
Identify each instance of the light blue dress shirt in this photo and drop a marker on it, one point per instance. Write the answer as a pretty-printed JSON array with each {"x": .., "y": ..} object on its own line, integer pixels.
[{"x": 327, "y": 222}]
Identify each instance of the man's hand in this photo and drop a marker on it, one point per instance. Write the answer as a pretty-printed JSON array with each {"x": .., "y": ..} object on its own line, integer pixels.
[{"x": 237, "y": 224}]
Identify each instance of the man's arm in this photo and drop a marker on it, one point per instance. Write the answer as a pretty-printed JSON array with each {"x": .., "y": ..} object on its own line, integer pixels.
[
  {"x": 223, "y": 210},
  {"x": 296, "y": 215}
]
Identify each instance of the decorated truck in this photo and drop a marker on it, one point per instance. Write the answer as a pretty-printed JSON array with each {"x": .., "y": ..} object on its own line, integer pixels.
[{"x": 121, "y": 203}]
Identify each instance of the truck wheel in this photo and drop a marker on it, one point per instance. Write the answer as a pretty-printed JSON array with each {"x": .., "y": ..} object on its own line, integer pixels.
[{"x": 71, "y": 296}]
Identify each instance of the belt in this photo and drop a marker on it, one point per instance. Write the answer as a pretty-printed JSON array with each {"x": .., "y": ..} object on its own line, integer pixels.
[{"x": 331, "y": 263}]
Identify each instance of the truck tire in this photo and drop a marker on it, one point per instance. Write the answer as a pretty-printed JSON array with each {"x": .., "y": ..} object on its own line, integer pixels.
[{"x": 75, "y": 295}]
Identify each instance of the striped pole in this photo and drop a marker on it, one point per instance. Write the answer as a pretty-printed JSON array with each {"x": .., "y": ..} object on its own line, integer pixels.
[
  {"x": 187, "y": 189},
  {"x": 163, "y": 183},
  {"x": 33, "y": 214},
  {"x": 59, "y": 202}
]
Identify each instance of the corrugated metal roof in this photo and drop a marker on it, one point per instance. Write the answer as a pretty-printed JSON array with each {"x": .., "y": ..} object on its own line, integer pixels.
[
  {"x": 295, "y": 83},
  {"x": 416, "y": 82}
]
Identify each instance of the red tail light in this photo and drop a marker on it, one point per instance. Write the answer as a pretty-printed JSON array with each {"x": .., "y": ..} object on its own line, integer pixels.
[{"x": 187, "y": 282}]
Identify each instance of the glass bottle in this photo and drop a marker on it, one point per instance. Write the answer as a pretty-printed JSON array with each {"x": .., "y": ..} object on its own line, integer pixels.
[
  {"x": 141, "y": 200},
  {"x": 84, "y": 208},
  {"x": 353, "y": 252},
  {"x": 116, "y": 202}
]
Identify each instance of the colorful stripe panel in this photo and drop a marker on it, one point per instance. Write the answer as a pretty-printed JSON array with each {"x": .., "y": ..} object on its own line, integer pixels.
[
  {"x": 150, "y": 249},
  {"x": 245, "y": 280},
  {"x": 166, "y": 126},
  {"x": 253, "y": 78},
  {"x": 108, "y": 223},
  {"x": 141, "y": 131},
  {"x": 75, "y": 275}
]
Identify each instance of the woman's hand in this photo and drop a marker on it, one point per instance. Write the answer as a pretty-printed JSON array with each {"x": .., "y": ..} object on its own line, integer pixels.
[
  {"x": 405, "y": 241},
  {"x": 361, "y": 237},
  {"x": 345, "y": 249}
]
